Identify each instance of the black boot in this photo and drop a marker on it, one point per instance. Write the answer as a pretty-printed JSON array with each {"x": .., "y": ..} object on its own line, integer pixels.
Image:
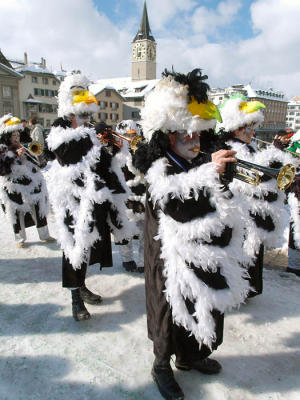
[
  {"x": 89, "y": 297},
  {"x": 207, "y": 366},
  {"x": 79, "y": 311},
  {"x": 130, "y": 266},
  {"x": 163, "y": 376}
]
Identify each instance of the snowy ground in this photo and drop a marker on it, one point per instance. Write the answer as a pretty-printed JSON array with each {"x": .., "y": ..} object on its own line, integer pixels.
[{"x": 46, "y": 355}]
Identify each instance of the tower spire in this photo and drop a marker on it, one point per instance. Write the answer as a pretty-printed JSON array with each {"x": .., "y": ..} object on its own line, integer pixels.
[{"x": 144, "y": 31}]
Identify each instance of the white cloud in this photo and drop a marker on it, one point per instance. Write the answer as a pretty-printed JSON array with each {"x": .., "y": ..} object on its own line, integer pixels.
[
  {"x": 208, "y": 21},
  {"x": 78, "y": 37},
  {"x": 82, "y": 38}
]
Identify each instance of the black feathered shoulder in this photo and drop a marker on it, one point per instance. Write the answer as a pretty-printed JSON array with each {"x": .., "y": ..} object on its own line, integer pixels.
[
  {"x": 63, "y": 122},
  {"x": 147, "y": 153}
]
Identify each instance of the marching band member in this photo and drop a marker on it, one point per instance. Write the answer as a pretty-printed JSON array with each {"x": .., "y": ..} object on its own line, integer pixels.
[
  {"x": 136, "y": 200},
  {"x": 83, "y": 192},
  {"x": 23, "y": 192},
  {"x": 267, "y": 219},
  {"x": 193, "y": 230}
]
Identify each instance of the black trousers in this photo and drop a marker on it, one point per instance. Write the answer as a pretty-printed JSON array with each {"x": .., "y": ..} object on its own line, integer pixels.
[
  {"x": 72, "y": 278},
  {"x": 256, "y": 273}
]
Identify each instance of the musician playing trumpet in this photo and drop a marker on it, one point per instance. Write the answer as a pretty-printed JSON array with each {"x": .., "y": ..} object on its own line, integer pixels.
[
  {"x": 265, "y": 204},
  {"x": 87, "y": 196},
  {"x": 193, "y": 230},
  {"x": 23, "y": 192}
]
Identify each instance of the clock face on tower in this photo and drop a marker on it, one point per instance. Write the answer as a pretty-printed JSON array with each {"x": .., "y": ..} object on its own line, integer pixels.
[{"x": 139, "y": 51}]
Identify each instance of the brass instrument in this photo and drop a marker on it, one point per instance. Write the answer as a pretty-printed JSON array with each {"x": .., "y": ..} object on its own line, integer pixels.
[
  {"x": 269, "y": 143},
  {"x": 284, "y": 176},
  {"x": 133, "y": 142},
  {"x": 33, "y": 150}
]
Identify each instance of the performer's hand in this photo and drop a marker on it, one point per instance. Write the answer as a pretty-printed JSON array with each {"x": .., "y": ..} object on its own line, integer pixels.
[
  {"x": 222, "y": 157},
  {"x": 284, "y": 139},
  {"x": 21, "y": 151}
]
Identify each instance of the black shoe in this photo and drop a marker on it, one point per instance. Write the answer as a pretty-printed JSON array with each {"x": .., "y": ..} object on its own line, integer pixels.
[
  {"x": 168, "y": 387},
  {"x": 130, "y": 266},
  {"x": 89, "y": 297},
  {"x": 79, "y": 311},
  {"x": 206, "y": 366},
  {"x": 294, "y": 271}
]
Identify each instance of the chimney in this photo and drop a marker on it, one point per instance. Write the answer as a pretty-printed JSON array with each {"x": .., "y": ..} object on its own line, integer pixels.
[
  {"x": 43, "y": 63},
  {"x": 25, "y": 59}
]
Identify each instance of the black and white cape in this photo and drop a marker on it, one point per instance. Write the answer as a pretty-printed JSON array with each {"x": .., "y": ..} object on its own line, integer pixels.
[
  {"x": 80, "y": 181},
  {"x": 195, "y": 228},
  {"x": 22, "y": 189}
]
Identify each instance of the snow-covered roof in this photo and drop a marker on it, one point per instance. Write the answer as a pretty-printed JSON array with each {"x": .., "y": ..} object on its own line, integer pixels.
[
  {"x": 35, "y": 68},
  {"x": 6, "y": 68},
  {"x": 125, "y": 86},
  {"x": 268, "y": 94}
]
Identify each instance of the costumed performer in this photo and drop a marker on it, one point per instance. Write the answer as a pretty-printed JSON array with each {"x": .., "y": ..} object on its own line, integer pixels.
[
  {"x": 267, "y": 218},
  {"x": 84, "y": 192},
  {"x": 136, "y": 200},
  {"x": 23, "y": 191},
  {"x": 193, "y": 230}
]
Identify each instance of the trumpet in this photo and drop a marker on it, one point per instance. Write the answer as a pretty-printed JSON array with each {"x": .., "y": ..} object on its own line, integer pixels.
[
  {"x": 284, "y": 176},
  {"x": 269, "y": 144},
  {"x": 33, "y": 150},
  {"x": 105, "y": 138}
]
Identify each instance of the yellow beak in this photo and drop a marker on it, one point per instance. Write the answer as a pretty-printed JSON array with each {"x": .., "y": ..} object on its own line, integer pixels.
[
  {"x": 206, "y": 110},
  {"x": 83, "y": 96},
  {"x": 12, "y": 121},
  {"x": 251, "y": 106}
]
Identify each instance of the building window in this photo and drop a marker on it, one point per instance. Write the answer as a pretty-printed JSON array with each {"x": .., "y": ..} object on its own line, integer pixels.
[
  {"x": 54, "y": 82},
  {"x": 107, "y": 93},
  {"x": 103, "y": 104},
  {"x": 135, "y": 114},
  {"x": 103, "y": 116},
  {"x": 115, "y": 117},
  {"x": 34, "y": 79},
  {"x": 48, "y": 123},
  {"x": 7, "y": 92},
  {"x": 45, "y": 81},
  {"x": 8, "y": 108},
  {"x": 114, "y": 105}
]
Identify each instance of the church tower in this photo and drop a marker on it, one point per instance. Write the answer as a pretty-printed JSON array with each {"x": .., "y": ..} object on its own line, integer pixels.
[{"x": 144, "y": 51}]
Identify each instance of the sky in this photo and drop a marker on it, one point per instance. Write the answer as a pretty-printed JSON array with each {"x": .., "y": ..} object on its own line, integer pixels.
[{"x": 232, "y": 41}]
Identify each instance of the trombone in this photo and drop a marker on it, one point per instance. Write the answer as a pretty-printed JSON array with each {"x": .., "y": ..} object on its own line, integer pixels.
[
  {"x": 269, "y": 144},
  {"x": 284, "y": 176}
]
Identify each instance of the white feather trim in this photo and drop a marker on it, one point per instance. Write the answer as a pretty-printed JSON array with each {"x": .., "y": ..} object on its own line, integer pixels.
[
  {"x": 183, "y": 243},
  {"x": 166, "y": 110},
  {"x": 234, "y": 118},
  {"x": 129, "y": 228},
  {"x": 253, "y": 199},
  {"x": 8, "y": 185},
  {"x": 295, "y": 217}
]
